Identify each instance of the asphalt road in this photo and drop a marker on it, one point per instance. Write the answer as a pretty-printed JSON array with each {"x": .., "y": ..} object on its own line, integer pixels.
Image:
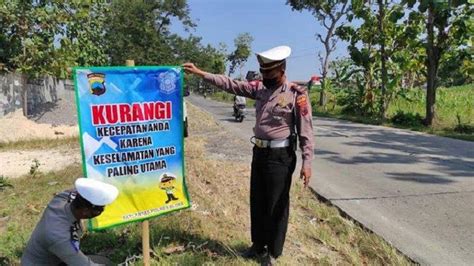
[{"x": 413, "y": 189}]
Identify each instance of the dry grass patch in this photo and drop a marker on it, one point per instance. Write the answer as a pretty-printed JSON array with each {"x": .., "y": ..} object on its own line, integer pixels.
[{"x": 41, "y": 143}]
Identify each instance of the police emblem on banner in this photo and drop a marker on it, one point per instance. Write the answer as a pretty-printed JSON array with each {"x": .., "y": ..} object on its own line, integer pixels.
[
  {"x": 96, "y": 83},
  {"x": 168, "y": 81}
]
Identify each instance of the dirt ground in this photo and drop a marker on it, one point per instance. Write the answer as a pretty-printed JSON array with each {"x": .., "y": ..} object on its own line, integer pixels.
[
  {"x": 15, "y": 163},
  {"x": 15, "y": 127},
  {"x": 18, "y": 163}
]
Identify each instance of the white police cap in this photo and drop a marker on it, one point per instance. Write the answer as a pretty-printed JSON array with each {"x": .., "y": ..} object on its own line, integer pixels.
[
  {"x": 274, "y": 57},
  {"x": 96, "y": 192}
]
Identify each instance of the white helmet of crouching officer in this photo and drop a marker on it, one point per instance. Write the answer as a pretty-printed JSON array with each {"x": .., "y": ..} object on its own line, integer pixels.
[
  {"x": 56, "y": 238},
  {"x": 98, "y": 194}
]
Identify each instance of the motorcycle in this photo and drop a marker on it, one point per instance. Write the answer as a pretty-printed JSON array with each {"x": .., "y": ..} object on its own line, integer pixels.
[{"x": 239, "y": 112}]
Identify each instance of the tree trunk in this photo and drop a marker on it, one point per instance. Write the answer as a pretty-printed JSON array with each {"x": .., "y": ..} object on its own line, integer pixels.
[
  {"x": 322, "y": 94},
  {"x": 383, "y": 59},
  {"x": 327, "y": 46},
  {"x": 431, "y": 69}
]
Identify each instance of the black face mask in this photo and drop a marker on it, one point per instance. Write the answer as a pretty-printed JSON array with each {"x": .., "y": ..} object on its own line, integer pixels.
[{"x": 270, "y": 83}]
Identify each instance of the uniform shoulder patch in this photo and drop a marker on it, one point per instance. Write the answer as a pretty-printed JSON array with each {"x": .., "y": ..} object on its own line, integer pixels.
[
  {"x": 299, "y": 89},
  {"x": 302, "y": 103}
]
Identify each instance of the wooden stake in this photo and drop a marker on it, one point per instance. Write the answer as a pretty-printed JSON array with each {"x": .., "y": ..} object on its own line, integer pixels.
[
  {"x": 145, "y": 224},
  {"x": 146, "y": 242},
  {"x": 130, "y": 62}
]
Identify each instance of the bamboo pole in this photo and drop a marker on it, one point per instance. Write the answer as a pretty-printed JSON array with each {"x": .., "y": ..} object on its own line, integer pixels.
[{"x": 145, "y": 224}]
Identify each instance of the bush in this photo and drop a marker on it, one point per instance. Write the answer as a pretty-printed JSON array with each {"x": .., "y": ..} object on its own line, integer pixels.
[
  {"x": 407, "y": 119},
  {"x": 4, "y": 183},
  {"x": 463, "y": 128}
]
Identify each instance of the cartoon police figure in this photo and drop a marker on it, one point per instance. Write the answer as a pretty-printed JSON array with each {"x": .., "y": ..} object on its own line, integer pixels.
[{"x": 168, "y": 183}]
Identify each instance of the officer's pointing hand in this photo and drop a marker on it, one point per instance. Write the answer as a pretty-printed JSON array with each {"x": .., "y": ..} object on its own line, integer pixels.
[
  {"x": 305, "y": 174},
  {"x": 192, "y": 69}
]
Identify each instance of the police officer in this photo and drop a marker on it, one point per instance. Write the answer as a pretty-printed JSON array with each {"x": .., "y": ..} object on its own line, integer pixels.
[
  {"x": 55, "y": 240},
  {"x": 282, "y": 113}
]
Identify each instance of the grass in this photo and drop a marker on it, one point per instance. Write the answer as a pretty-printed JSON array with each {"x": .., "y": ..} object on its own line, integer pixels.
[
  {"x": 454, "y": 110},
  {"x": 35, "y": 144},
  {"x": 213, "y": 231},
  {"x": 450, "y": 102}
]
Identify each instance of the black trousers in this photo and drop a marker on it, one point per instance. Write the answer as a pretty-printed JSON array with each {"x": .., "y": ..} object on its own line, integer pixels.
[{"x": 270, "y": 184}]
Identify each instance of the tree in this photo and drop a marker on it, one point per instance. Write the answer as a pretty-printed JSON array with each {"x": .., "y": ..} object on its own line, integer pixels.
[
  {"x": 30, "y": 28},
  {"x": 383, "y": 55},
  {"x": 446, "y": 26},
  {"x": 329, "y": 13},
  {"x": 82, "y": 36},
  {"x": 141, "y": 30},
  {"x": 362, "y": 50},
  {"x": 392, "y": 35},
  {"x": 47, "y": 37},
  {"x": 386, "y": 47},
  {"x": 453, "y": 69},
  {"x": 240, "y": 55},
  {"x": 206, "y": 57},
  {"x": 10, "y": 43}
]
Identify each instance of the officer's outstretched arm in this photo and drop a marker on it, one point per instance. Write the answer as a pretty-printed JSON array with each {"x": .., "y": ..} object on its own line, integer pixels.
[
  {"x": 242, "y": 88},
  {"x": 193, "y": 69}
]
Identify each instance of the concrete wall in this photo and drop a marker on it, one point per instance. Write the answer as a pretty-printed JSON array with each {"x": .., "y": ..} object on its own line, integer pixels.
[
  {"x": 11, "y": 88},
  {"x": 40, "y": 91}
]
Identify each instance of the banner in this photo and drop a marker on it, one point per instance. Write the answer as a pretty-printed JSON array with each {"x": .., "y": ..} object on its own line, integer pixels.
[{"x": 131, "y": 130}]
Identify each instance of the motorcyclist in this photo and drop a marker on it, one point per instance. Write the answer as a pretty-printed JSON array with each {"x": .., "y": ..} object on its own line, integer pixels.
[{"x": 239, "y": 103}]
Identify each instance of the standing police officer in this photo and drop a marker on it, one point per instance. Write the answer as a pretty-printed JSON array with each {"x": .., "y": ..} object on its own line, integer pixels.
[
  {"x": 55, "y": 240},
  {"x": 282, "y": 113}
]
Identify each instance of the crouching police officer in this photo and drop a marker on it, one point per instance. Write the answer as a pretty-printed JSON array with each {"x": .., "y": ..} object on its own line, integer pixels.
[
  {"x": 282, "y": 113},
  {"x": 55, "y": 240}
]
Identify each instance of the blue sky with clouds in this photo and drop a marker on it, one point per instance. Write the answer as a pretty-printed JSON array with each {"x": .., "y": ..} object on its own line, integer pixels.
[{"x": 270, "y": 22}]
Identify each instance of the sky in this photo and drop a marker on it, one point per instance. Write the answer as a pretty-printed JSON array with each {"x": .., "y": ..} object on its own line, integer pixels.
[{"x": 270, "y": 22}]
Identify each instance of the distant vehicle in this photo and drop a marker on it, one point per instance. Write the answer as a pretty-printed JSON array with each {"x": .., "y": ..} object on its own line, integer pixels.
[
  {"x": 315, "y": 80},
  {"x": 239, "y": 108}
]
